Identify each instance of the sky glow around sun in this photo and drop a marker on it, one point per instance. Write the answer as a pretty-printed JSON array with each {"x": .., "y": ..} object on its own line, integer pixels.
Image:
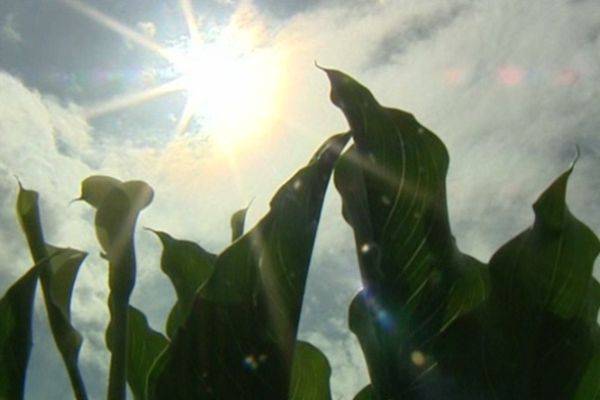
[
  {"x": 231, "y": 85},
  {"x": 231, "y": 80}
]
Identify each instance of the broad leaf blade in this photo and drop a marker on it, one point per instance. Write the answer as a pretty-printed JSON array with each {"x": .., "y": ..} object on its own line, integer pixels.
[
  {"x": 144, "y": 347},
  {"x": 392, "y": 183},
  {"x": 188, "y": 266},
  {"x": 57, "y": 277},
  {"x": 16, "y": 309},
  {"x": 543, "y": 304},
  {"x": 310, "y": 374},
  {"x": 239, "y": 339}
]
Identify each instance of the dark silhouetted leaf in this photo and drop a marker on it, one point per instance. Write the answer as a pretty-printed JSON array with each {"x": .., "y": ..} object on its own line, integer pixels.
[
  {"x": 57, "y": 279},
  {"x": 118, "y": 205},
  {"x": 539, "y": 326},
  {"x": 392, "y": 183},
  {"x": 16, "y": 309},
  {"x": 188, "y": 266},
  {"x": 239, "y": 338},
  {"x": 144, "y": 347},
  {"x": 310, "y": 374}
]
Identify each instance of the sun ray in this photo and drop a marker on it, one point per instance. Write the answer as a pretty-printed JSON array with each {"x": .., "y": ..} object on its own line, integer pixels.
[
  {"x": 186, "y": 117},
  {"x": 231, "y": 80},
  {"x": 191, "y": 21},
  {"x": 121, "y": 102},
  {"x": 117, "y": 27}
]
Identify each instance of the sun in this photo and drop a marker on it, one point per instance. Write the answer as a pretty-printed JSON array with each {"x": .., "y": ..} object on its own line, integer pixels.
[
  {"x": 232, "y": 79},
  {"x": 232, "y": 86}
]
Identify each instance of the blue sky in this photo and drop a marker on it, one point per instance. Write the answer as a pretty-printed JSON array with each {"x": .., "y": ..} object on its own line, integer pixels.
[{"x": 510, "y": 87}]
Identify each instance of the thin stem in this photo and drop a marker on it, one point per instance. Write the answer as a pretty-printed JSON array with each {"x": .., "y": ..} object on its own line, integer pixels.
[
  {"x": 118, "y": 362},
  {"x": 121, "y": 281}
]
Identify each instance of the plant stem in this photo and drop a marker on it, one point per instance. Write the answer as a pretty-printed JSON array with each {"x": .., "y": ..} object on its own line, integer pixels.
[
  {"x": 118, "y": 362},
  {"x": 121, "y": 281}
]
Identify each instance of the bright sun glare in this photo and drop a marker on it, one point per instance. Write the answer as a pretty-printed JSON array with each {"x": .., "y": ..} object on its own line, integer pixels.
[
  {"x": 231, "y": 87},
  {"x": 231, "y": 81}
]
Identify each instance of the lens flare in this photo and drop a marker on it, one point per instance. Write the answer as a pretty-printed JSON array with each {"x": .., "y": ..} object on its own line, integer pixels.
[
  {"x": 511, "y": 75},
  {"x": 232, "y": 80}
]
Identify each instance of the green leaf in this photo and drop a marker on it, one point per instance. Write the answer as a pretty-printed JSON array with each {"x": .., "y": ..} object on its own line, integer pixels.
[
  {"x": 239, "y": 338},
  {"x": 379, "y": 330},
  {"x": 188, "y": 266},
  {"x": 543, "y": 305},
  {"x": 16, "y": 310},
  {"x": 589, "y": 386},
  {"x": 57, "y": 280},
  {"x": 562, "y": 255},
  {"x": 417, "y": 282},
  {"x": 365, "y": 394},
  {"x": 118, "y": 205},
  {"x": 310, "y": 374},
  {"x": 144, "y": 347},
  {"x": 237, "y": 223}
]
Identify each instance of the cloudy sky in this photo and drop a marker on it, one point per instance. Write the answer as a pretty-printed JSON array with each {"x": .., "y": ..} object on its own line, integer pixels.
[{"x": 216, "y": 103}]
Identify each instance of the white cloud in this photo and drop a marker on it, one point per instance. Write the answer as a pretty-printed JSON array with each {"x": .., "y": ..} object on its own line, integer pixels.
[{"x": 37, "y": 138}]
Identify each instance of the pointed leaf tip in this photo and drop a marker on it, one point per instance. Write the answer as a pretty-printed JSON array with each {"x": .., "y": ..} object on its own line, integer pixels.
[
  {"x": 237, "y": 222},
  {"x": 551, "y": 207},
  {"x": 576, "y": 158},
  {"x": 346, "y": 92}
]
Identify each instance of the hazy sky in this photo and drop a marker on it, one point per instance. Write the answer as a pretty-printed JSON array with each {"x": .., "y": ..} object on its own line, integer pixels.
[{"x": 510, "y": 86}]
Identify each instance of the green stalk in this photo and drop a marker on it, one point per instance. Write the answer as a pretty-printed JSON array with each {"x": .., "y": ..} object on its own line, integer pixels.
[
  {"x": 118, "y": 205},
  {"x": 118, "y": 362},
  {"x": 121, "y": 281}
]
